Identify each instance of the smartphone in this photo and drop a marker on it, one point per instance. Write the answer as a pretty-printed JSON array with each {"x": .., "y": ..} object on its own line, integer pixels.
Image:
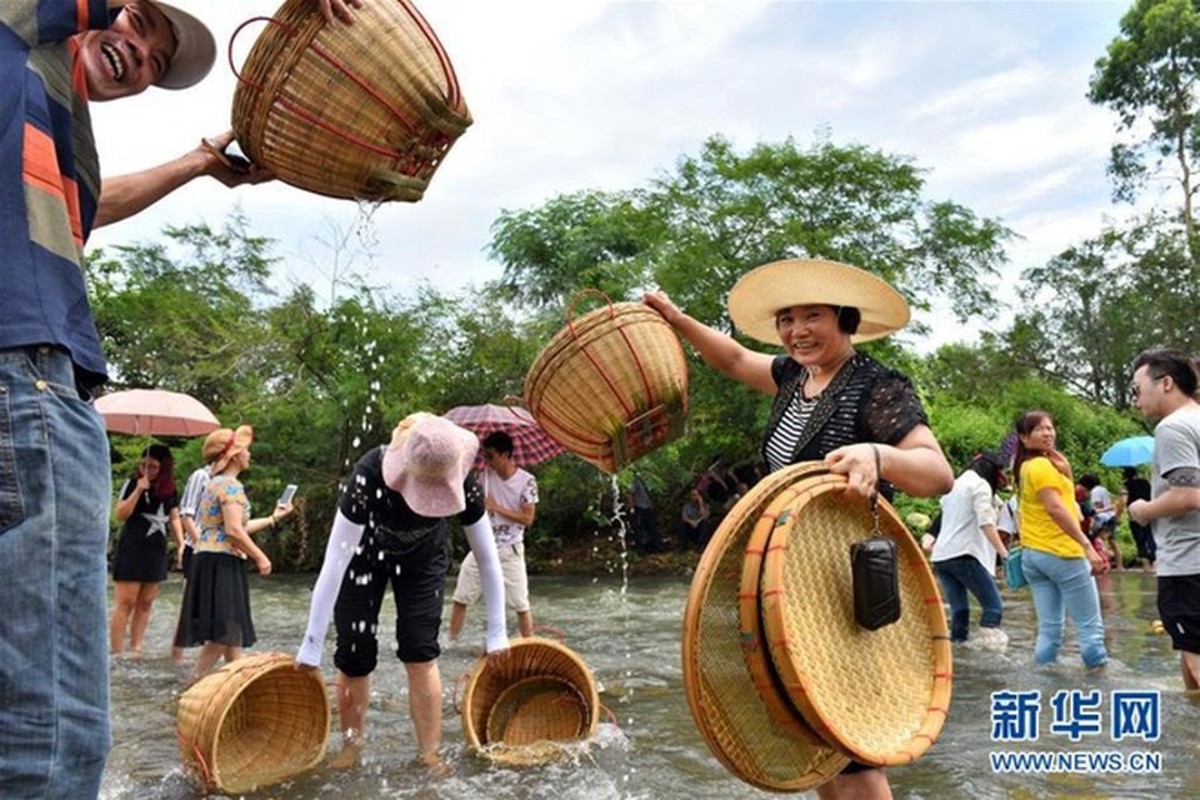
[{"x": 288, "y": 492}]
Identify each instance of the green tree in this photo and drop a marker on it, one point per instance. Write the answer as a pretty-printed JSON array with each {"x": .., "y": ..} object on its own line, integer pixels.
[{"x": 1148, "y": 75}]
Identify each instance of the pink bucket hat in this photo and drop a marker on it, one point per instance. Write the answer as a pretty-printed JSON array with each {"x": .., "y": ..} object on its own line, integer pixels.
[{"x": 427, "y": 462}]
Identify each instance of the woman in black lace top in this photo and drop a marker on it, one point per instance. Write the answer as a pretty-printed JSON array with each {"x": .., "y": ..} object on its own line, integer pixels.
[{"x": 831, "y": 402}]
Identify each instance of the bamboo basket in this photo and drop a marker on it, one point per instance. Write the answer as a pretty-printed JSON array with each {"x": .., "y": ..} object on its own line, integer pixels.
[
  {"x": 365, "y": 111},
  {"x": 522, "y": 712},
  {"x": 880, "y": 697},
  {"x": 760, "y": 745},
  {"x": 612, "y": 385},
  {"x": 253, "y": 723}
]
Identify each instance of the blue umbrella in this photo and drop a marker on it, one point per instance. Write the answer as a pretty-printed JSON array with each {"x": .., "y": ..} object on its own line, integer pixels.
[{"x": 1129, "y": 452}]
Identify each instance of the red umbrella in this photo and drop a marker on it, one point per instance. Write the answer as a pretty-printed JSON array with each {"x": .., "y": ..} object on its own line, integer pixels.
[
  {"x": 531, "y": 444},
  {"x": 155, "y": 412}
]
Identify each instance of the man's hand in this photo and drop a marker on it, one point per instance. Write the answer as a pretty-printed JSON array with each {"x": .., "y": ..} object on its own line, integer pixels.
[
  {"x": 225, "y": 168},
  {"x": 334, "y": 10},
  {"x": 1137, "y": 512}
]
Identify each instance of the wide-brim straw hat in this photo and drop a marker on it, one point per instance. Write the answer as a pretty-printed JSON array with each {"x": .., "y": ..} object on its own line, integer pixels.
[
  {"x": 764, "y": 291},
  {"x": 224, "y": 443}
]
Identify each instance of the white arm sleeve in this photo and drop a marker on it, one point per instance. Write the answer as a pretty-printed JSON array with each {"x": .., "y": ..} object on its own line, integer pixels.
[
  {"x": 483, "y": 545},
  {"x": 344, "y": 537}
]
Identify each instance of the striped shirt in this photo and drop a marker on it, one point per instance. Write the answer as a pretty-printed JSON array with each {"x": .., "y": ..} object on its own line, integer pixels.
[
  {"x": 782, "y": 441},
  {"x": 49, "y": 178}
]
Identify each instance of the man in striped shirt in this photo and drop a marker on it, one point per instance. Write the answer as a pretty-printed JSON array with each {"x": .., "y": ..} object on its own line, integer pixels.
[{"x": 56, "y": 56}]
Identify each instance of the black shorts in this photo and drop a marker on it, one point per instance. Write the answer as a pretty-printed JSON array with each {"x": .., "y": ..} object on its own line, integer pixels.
[
  {"x": 1179, "y": 607},
  {"x": 417, "y": 574}
]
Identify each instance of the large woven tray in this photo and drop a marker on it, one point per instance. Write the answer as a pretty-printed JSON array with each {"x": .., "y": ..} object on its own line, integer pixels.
[
  {"x": 880, "y": 697},
  {"x": 726, "y": 704},
  {"x": 770, "y": 685}
]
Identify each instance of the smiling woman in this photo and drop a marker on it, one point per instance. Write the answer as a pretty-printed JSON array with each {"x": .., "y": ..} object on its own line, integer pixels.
[{"x": 831, "y": 402}]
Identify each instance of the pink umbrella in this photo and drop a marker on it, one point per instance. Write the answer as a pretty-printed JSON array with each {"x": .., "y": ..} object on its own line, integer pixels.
[
  {"x": 531, "y": 444},
  {"x": 155, "y": 412}
]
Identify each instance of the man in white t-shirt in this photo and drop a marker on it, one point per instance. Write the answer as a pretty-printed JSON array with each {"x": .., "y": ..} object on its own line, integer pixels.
[
  {"x": 510, "y": 496},
  {"x": 1164, "y": 388}
]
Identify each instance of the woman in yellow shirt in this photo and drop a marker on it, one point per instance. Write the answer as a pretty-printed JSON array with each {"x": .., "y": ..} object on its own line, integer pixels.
[{"x": 1059, "y": 560}]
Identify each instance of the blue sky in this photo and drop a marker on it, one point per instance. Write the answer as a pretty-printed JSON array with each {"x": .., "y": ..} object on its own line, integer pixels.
[{"x": 988, "y": 97}]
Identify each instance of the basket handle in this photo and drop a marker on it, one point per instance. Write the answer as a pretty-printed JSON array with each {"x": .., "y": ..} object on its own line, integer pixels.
[
  {"x": 552, "y": 630},
  {"x": 612, "y": 312},
  {"x": 233, "y": 37}
]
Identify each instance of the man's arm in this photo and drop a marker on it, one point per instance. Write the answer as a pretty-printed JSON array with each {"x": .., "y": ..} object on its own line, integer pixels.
[
  {"x": 123, "y": 196},
  {"x": 1181, "y": 496}
]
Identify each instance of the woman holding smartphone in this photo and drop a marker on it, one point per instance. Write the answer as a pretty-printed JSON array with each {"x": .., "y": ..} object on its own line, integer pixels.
[{"x": 216, "y": 608}]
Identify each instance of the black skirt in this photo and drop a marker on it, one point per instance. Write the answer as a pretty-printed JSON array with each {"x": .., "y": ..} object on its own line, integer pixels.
[{"x": 216, "y": 606}]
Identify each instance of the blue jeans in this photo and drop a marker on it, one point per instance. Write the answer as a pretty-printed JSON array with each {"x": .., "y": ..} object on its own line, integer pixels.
[
  {"x": 964, "y": 574},
  {"x": 55, "y": 489},
  {"x": 1060, "y": 584}
]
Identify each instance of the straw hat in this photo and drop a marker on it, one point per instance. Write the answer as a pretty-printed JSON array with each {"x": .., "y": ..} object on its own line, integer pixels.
[
  {"x": 764, "y": 291},
  {"x": 427, "y": 463},
  {"x": 224, "y": 443},
  {"x": 195, "y": 49}
]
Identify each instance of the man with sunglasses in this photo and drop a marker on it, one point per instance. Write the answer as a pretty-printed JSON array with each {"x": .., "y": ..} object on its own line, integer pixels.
[
  {"x": 55, "y": 57},
  {"x": 1164, "y": 389}
]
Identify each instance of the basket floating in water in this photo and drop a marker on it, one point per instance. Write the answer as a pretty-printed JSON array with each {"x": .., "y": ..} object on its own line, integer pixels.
[
  {"x": 252, "y": 723},
  {"x": 528, "y": 710}
]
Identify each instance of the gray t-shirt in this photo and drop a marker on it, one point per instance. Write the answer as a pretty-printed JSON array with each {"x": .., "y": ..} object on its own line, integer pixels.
[{"x": 1176, "y": 445}]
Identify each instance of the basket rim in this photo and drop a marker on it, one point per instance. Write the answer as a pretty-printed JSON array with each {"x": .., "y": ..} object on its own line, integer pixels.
[
  {"x": 935, "y": 708},
  {"x": 755, "y": 649}
]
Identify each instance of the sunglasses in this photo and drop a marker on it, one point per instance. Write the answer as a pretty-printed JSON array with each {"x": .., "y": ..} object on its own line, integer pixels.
[{"x": 1136, "y": 390}]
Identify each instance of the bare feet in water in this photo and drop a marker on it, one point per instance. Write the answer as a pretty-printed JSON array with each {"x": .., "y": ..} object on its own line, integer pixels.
[{"x": 348, "y": 758}]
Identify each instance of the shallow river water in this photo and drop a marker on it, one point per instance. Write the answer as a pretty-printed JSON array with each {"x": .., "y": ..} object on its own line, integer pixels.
[{"x": 629, "y": 634}]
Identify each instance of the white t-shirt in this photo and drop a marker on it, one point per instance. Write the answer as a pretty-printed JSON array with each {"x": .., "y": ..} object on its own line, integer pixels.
[
  {"x": 520, "y": 488},
  {"x": 1102, "y": 504},
  {"x": 965, "y": 509}
]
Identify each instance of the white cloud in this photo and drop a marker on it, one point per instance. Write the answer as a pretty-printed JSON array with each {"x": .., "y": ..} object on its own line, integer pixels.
[{"x": 988, "y": 97}]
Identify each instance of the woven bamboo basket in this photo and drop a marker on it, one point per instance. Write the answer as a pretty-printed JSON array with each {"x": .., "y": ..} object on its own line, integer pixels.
[
  {"x": 612, "y": 385},
  {"x": 764, "y": 748},
  {"x": 880, "y": 697},
  {"x": 542, "y": 695},
  {"x": 364, "y": 111},
  {"x": 252, "y": 723}
]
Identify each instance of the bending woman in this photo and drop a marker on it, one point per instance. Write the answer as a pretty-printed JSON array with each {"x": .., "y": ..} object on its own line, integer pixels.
[{"x": 831, "y": 402}]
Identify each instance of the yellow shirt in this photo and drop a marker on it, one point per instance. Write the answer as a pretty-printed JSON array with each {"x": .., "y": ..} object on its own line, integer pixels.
[{"x": 1038, "y": 530}]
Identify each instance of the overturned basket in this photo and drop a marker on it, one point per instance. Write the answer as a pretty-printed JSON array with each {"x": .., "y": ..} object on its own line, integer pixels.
[
  {"x": 524, "y": 711},
  {"x": 363, "y": 111},
  {"x": 252, "y": 723},
  {"x": 612, "y": 385}
]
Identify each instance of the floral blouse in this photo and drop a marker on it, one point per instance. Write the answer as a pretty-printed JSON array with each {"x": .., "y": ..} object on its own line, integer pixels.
[{"x": 222, "y": 490}]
